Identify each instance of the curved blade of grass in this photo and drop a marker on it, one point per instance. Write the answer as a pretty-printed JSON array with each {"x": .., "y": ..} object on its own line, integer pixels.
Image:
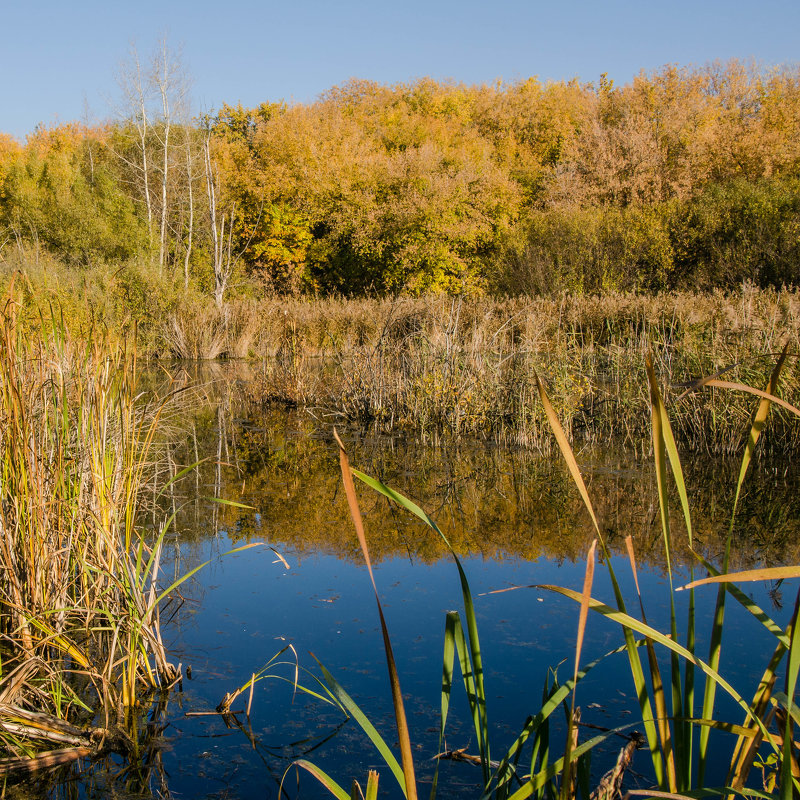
[
  {"x": 60, "y": 642},
  {"x": 764, "y": 574},
  {"x": 323, "y": 777},
  {"x": 670, "y": 446},
  {"x": 586, "y": 595},
  {"x": 352, "y": 708},
  {"x": 715, "y": 647},
  {"x": 409, "y": 784},
  {"x": 469, "y": 612},
  {"x": 741, "y": 387},
  {"x": 646, "y": 630},
  {"x": 759, "y": 421},
  {"x": 330, "y": 699},
  {"x": 747, "y": 603}
]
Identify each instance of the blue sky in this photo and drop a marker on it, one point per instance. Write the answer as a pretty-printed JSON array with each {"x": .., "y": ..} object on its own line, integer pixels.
[{"x": 58, "y": 58}]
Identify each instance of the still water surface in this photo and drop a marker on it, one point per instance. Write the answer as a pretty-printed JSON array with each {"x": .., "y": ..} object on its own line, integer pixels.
[{"x": 514, "y": 517}]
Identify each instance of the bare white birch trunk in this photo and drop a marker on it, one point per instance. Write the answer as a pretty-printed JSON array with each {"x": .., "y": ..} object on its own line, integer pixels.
[
  {"x": 190, "y": 181},
  {"x": 164, "y": 84},
  {"x": 220, "y": 279}
]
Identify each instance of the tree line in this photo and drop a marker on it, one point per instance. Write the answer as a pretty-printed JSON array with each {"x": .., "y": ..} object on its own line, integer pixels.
[{"x": 686, "y": 177}]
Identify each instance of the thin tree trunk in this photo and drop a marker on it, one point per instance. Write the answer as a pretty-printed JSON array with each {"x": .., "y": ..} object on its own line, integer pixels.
[
  {"x": 190, "y": 179},
  {"x": 219, "y": 286},
  {"x": 164, "y": 174},
  {"x": 164, "y": 87}
]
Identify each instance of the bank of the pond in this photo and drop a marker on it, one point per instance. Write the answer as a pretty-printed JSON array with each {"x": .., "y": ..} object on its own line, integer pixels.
[
  {"x": 81, "y": 587},
  {"x": 468, "y": 366}
]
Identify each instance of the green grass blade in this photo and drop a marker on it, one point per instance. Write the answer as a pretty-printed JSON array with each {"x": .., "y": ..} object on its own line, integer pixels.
[
  {"x": 469, "y": 611},
  {"x": 470, "y": 686},
  {"x": 323, "y": 777},
  {"x": 451, "y": 621},
  {"x": 409, "y": 784},
  {"x": 352, "y": 708}
]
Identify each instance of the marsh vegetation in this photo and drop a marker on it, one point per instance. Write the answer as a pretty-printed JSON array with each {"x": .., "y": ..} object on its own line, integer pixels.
[{"x": 537, "y": 309}]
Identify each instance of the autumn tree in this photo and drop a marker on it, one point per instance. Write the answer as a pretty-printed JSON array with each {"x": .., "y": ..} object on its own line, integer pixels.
[{"x": 61, "y": 190}]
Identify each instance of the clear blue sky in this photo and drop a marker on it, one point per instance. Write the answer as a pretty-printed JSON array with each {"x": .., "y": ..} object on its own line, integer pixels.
[{"x": 57, "y": 56}]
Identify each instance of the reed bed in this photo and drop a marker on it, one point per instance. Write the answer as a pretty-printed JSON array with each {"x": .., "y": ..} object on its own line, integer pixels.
[
  {"x": 677, "y": 687},
  {"x": 81, "y": 652},
  {"x": 467, "y": 365}
]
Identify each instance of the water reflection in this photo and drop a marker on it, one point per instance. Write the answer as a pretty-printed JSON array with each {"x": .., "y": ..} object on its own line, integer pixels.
[
  {"x": 495, "y": 503},
  {"x": 515, "y": 517}
]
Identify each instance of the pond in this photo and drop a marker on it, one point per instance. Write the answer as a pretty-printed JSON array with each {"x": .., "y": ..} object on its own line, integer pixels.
[{"x": 514, "y": 518}]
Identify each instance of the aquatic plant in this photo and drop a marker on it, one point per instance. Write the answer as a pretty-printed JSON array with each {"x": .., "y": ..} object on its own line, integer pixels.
[
  {"x": 83, "y": 593},
  {"x": 466, "y": 365},
  {"x": 676, "y": 737}
]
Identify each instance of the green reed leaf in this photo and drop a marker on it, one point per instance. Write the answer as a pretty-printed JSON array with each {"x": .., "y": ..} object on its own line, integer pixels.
[{"x": 323, "y": 777}]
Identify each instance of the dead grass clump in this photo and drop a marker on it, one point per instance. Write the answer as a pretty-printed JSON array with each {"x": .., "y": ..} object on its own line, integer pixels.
[
  {"x": 80, "y": 598},
  {"x": 466, "y": 364}
]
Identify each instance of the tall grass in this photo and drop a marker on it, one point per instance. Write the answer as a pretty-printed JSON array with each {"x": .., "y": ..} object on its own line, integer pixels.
[
  {"x": 81, "y": 596},
  {"x": 468, "y": 365},
  {"x": 676, "y": 731}
]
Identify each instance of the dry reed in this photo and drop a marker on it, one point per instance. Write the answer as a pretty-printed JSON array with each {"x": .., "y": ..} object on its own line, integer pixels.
[
  {"x": 80, "y": 599},
  {"x": 467, "y": 365}
]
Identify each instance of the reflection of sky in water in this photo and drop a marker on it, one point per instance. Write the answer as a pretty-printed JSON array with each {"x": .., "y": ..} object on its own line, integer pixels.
[
  {"x": 500, "y": 503},
  {"x": 250, "y": 607}
]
